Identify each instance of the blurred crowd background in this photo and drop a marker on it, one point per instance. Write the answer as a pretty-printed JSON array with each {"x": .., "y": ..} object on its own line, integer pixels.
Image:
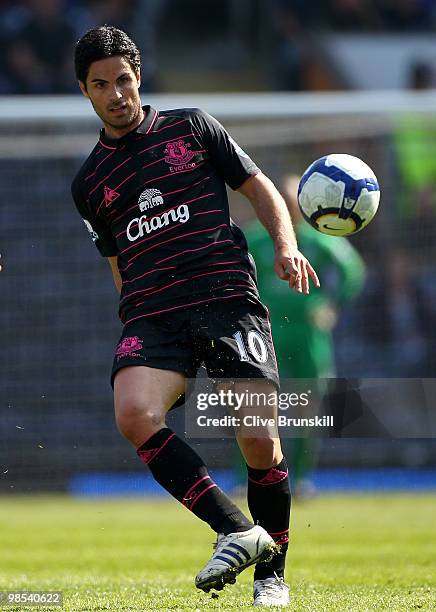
[
  {"x": 54, "y": 392},
  {"x": 234, "y": 44}
]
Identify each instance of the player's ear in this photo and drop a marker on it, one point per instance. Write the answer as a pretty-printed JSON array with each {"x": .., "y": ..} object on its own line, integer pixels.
[
  {"x": 83, "y": 89},
  {"x": 138, "y": 78}
]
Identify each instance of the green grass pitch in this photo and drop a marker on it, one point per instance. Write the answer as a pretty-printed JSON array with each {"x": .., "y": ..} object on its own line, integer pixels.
[{"x": 347, "y": 553}]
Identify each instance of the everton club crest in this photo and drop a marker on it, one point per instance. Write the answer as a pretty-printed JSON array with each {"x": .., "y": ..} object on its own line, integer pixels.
[{"x": 178, "y": 153}]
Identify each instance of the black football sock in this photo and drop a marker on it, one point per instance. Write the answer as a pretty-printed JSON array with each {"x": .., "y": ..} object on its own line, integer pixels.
[
  {"x": 269, "y": 500},
  {"x": 178, "y": 468}
]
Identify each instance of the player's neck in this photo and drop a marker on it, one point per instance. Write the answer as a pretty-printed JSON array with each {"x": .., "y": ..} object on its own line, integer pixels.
[{"x": 115, "y": 133}]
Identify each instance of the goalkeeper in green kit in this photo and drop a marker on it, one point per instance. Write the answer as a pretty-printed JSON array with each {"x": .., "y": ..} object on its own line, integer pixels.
[{"x": 303, "y": 324}]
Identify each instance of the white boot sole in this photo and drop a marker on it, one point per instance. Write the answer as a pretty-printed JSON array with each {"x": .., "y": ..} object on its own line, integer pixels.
[{"x": 228, "y": 576}]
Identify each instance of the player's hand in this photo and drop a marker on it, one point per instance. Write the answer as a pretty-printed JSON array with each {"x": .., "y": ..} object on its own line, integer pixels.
[{"x": 293, "y": 267}]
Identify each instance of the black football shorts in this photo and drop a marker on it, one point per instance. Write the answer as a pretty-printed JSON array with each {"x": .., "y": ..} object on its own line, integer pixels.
[{"x": 232, "y": 339}]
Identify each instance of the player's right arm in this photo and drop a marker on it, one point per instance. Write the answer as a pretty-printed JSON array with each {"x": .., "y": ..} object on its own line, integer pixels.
[
  {"x": 99, "y": 231},
  {"x": 113, "y": 262}
]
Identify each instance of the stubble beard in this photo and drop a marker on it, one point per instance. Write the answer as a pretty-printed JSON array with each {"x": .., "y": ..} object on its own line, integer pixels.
[{"x": 125, "y": 122}]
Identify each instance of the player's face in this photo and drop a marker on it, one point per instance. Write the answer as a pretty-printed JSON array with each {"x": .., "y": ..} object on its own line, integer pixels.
[{"x": 113, "y": 88}]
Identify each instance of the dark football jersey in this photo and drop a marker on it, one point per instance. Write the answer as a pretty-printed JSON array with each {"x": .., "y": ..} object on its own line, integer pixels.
[{"x": 156, "y": 198}]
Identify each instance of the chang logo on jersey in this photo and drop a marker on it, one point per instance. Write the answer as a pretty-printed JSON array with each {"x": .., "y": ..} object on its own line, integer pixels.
[
  {"x": 143, "y": 225},
  {"x": 149, "y": 199}
]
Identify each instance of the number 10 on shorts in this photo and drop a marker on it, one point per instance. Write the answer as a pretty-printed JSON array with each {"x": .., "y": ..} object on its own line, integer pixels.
[{"x": 255, "y": 345}]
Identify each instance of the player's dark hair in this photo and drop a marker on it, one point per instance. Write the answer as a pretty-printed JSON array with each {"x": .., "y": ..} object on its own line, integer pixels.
[{"x": 100, "y": 43}]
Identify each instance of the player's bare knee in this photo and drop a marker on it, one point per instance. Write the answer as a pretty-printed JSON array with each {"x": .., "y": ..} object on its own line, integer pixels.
[
  {"x": 136, "y": 419},
  {"x": 261, "y": 453}
]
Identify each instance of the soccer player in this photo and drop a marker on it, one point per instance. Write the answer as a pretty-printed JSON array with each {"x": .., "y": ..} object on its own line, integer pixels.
[{"x": 152, "y": 195}]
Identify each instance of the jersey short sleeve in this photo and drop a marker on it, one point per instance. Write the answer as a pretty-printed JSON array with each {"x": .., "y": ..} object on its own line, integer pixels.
[
  {"x": 100, "y": 233},
  {"x": 231, "y": 162}
]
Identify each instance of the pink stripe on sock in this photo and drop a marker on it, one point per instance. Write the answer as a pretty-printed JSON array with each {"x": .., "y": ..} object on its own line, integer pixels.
[
  {"x": 280, "y": 537},
  {"x": 166, "y": 442},
  {"x": 273, "y": 477},
  {"x": 202, "y": 493},
  {"x": 194, "y": 485},
  {"x": 156, "y": 451},
  {"x": 284, "y": 539}
]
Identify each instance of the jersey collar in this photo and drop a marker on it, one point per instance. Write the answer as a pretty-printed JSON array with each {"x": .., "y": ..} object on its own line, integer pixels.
[{"x": 145, "y": 127}]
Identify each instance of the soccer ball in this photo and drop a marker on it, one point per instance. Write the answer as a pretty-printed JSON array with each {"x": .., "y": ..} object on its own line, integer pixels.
[{"x": 338, "y": 194}]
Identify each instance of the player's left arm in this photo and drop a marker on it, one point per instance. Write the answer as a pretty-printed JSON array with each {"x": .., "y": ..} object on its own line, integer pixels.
[
  {"x": 241, "y": 174},
  {"x": 289, "y": 264}
]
